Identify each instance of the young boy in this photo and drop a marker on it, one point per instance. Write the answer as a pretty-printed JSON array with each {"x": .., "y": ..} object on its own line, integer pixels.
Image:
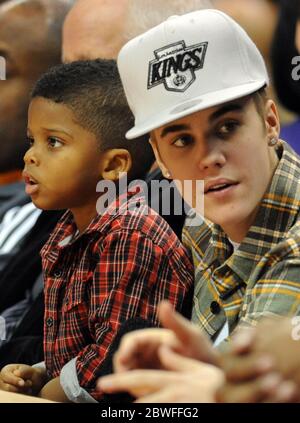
[
  {"x": 200, "y": 94},
  {"x": 104, "y": 274}
]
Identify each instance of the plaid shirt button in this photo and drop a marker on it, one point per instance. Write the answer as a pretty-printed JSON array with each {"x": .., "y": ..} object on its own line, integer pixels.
[
  {"x": 57, "y": 273},
  {"x": 215, "y": 307},
  {"x": 49, "y": 322}
]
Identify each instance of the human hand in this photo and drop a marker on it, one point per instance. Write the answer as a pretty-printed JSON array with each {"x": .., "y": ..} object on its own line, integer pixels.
[
  {"x": 140, "y": 349},
  {"x": 21, "y": 378},
  {"x": 184, "y": 380},
  {"x": 263, "y": 365}
]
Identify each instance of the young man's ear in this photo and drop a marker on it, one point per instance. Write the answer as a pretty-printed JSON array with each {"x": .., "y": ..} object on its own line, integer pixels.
[
  {"x": 159, "y": 161},
  {"x": 115, "y": 161},
  {"x": 272, "y": 120}
]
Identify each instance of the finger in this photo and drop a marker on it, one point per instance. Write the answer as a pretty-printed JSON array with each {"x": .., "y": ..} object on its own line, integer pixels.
[
  {"x": 139, "y": 349},
  {"x": 172, "y": 320},
  {"x": 165, "y": 396},
  {"x": 130, "y": 350},
  {"x": 10, "y": 378},
  {"x": 239, "y": 369},
  {"x": 10, "y": 388},
  {"x": 176, "y": 362},
  {"x": 188, "y": 334},
  {"x": 243, "y": 340},
  {"x": 24, "y": 371},
  {"x": 137, "y": 382},
  {"x": 287, "y": 392},
  {"x": 250, "y": 392}
]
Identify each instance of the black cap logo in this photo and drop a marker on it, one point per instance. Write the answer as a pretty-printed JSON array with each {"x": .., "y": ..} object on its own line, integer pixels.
[{"x": 175, "y": 66}]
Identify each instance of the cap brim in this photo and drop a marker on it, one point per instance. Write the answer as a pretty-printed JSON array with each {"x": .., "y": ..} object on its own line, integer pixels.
[{"x": 194, "y": 105}]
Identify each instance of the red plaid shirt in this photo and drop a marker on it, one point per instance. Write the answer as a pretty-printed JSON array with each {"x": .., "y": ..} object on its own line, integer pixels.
[{"x": 120, "y": 268}]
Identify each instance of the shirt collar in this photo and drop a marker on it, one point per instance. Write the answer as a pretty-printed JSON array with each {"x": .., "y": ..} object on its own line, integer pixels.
[{"x": 65, "y": 233}]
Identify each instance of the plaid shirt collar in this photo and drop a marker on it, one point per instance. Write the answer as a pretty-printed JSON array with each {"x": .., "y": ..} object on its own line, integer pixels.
[
  {"x": 66, "y": 232},
  {"x": 278, "y": 212}
]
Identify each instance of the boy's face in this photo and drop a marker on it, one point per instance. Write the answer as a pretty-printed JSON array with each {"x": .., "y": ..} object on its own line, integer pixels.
[
  {"x": 63, "y": 161},
  {"x": 226, "y": 147}
]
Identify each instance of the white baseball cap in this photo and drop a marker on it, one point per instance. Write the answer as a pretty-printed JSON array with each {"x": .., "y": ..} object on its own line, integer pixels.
[{"x": 186, "y": 64}]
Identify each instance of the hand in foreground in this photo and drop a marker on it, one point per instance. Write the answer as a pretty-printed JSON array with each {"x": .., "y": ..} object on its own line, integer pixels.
[
  {"x": 263, "y": 365},
  {"x": 140, "y": 349},
  {"x": 21, "y": 378},
  {"x": 184, "y": 380}
]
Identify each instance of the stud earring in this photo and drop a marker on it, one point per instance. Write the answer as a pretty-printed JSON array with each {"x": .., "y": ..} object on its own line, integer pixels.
[{"x": 272, "y": 142}]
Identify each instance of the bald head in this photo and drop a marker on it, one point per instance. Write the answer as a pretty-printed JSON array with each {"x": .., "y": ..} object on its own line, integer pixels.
[
  {"x": 33, "y": 29},
  {"x": 30, "y": 42},
  {"x": 94, "y": 29}
]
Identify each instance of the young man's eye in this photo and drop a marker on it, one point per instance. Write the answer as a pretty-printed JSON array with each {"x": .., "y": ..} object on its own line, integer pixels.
[
  {"x": 54, "y": 142},
  {"x": 227, "y": 129},
  {"x": 182, "y": 141}
]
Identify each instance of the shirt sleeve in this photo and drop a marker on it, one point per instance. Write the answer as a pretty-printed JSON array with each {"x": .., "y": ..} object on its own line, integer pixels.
[
  {"x": 132, "y": 276},
  {"x": 70, "y": 384}
]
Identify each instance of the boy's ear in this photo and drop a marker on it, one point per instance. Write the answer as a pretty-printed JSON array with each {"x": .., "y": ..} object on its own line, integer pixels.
[
  {"x": 272, "y": 120},
  {"x": 159, "y": 161},
  {"x": 115, "y": 161}
]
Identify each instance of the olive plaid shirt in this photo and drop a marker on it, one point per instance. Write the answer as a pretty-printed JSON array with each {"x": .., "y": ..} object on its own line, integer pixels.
[
  {"x": 119, "y": 269},
  {"x": 262, "y": 277}
]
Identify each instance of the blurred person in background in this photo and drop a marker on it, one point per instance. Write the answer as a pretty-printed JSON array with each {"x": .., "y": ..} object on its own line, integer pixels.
[
  {"x": 30, "y": 42},
  {"x": 285, "y": 66},
  {"x": 94, "y": 29}
]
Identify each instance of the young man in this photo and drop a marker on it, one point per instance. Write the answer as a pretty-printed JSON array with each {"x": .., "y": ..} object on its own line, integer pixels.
[
  {"x": 104, "y": 274},
  {"x": 199, "y": 92}
]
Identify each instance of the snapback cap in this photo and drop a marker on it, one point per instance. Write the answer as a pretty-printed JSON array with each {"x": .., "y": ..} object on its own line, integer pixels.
[{"x": 186, "y": 64}]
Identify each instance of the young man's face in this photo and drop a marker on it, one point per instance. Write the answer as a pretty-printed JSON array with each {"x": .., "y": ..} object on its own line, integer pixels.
[
  {"x": 226, "y": 147},
  {"x": 63, "y": 160}
]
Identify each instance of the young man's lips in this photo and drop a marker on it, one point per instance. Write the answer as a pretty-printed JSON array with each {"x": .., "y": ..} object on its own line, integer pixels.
[{"x": 222, "y": 190}]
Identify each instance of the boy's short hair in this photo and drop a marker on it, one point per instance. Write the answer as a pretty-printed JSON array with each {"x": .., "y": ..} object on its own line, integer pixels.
[{"x": 93, "y": 91}]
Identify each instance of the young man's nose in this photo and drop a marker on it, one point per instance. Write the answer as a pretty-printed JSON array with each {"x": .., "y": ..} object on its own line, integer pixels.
[{"x": 210, "y": 157}]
